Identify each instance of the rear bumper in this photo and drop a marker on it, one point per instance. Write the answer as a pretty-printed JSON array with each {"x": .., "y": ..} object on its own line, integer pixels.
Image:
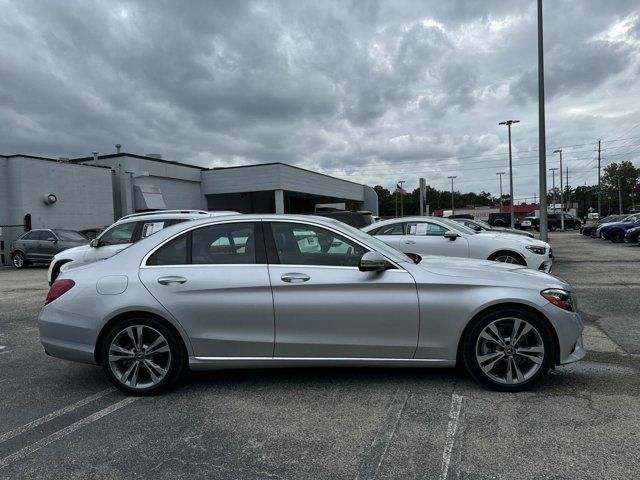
[{"x": 65, "y": 335}]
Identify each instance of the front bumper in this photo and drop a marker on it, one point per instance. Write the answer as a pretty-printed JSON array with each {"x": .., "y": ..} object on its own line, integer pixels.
[{"x": 568, "y": 327}]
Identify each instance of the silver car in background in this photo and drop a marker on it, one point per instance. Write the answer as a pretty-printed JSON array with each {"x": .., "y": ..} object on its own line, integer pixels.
[{"x": 252, "y": 291}]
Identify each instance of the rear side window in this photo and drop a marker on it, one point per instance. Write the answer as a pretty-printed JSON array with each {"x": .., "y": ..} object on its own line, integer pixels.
[
  {"x": 393, "y": 229},
  {"x": 33, "y": 235},
  {"x": 227, "y": 243}
]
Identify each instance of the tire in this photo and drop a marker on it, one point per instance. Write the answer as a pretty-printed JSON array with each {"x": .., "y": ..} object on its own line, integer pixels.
[
  {"x": 490, "y": 361},
  {"x": 499, "y": 223},
  {"x": 131, "y": 367},
  {"x": 19, "y": 260},
  {"x": 553, "y": 227},
  {"x": 508, "y": 257},
  {"x": 616, "y": 236}
]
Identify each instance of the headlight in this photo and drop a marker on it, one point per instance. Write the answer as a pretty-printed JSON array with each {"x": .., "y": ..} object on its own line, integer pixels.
[
  {"x": 534, "y": 249},
  {"x": 560, "y": 298}
]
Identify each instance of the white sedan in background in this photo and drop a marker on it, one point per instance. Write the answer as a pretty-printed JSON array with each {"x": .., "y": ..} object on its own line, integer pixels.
[{"x": 443, "y": 237}]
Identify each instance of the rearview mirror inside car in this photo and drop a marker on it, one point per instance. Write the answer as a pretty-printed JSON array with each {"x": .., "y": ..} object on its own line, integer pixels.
[{"x": 372, "y": 262}]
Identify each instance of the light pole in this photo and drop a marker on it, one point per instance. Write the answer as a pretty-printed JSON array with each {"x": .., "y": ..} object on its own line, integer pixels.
[
  {"x": 453, "y": 206},
  {"x": 500, "y": 173},
  {"x": 553, "y": 189},
  {"x": 508, "y": 123},
  {"x": 561, "y": 194}
]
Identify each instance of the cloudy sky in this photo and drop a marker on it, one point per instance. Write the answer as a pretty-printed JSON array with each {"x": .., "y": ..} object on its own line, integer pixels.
[{"x": 368, "y": 91}]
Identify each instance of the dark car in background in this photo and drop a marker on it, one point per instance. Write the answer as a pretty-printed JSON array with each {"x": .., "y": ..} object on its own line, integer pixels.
[
  {"x": 502, "y": 220},
  {"x": 554, "y": 222},
  {"x": 358, "y": 219},
  {"x": 590, "y": 229},
  {"x": 632, "y": 235},
  {"x": 40, "y": 245}
]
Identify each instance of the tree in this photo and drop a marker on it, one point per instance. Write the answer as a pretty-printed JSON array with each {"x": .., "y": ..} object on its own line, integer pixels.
[{"x": 628, "y": 179}]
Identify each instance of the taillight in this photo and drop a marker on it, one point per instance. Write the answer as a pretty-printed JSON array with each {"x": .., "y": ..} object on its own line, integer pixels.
[{"x": 59, "y": 288}]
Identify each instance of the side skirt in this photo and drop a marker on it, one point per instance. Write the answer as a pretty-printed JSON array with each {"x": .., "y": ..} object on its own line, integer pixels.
[{"x": 222, "y": 363}]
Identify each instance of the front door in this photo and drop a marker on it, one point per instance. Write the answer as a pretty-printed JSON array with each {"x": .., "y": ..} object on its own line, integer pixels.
[
  {"x": 214, "y": 280},
  {"x": 427, "y": 238},
  {"x": 325, "y": 307}
]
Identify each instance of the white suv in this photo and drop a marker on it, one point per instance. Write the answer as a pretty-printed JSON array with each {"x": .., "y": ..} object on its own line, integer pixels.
[{"x": 129, "y": 229}]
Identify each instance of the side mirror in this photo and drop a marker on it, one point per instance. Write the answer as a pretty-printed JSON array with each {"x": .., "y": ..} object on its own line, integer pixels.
[
  {"x": 451, "y": 235},
  {"x": 95, "y": 243},
  {"x": 372, "y": 262}
]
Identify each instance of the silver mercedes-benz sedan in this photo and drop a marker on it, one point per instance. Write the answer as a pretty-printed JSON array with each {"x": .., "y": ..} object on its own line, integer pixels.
[{"x": 281, "y": 290}]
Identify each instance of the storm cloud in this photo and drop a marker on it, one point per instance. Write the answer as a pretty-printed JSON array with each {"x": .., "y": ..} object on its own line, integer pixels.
[{"x": 364, "y": 90}]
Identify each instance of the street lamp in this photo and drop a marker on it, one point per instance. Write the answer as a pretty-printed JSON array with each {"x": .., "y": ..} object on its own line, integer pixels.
[
  {"x": 553, "y": 189},
  {"x": 500, "y": 173},
  {"x": 400, "y": 182},
  {"x": 453, "y": 207},
  {"x": 508, "y": 123},
  {"x": 561, "y": 194}
]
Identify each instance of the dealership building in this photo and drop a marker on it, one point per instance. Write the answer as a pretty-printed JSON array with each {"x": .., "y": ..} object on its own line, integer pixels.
[{"x": 40, "y": 192}]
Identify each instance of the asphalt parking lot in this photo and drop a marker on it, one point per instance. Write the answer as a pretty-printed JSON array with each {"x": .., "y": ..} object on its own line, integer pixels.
[{"x": 64, "y": 420}]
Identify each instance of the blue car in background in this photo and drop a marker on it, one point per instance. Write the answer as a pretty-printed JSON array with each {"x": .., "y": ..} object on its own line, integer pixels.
[{"x": 616, "y": 231}]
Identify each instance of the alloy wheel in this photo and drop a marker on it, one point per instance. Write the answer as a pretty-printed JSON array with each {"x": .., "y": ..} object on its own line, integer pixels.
[
  {"x": 510, "y": 350},
  {"x": 18, "y": 260},
  {"x": 507, "y": 259},
  {"x": 139, "y": 357}
]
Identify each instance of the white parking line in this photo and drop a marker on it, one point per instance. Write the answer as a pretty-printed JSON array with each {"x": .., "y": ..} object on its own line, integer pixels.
[
  {"x": 452, "y": 427},
  {"x": 63, "y": 411},
  {"x": 29, "y": 449}
]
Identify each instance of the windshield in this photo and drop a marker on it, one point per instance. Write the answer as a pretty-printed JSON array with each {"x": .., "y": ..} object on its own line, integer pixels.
[
  {"x": 70, "y": 235},
  {"x": 370, "y": 239}
]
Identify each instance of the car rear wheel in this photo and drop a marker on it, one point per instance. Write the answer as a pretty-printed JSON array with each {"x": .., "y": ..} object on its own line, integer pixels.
[
  {"x": 616, "y": 236},
  {"x": 19, "y": 260},
  {"x": 142, "y": 356},
  {"x": 553, "y": 227},
  {"x": 508, "y": 349}
]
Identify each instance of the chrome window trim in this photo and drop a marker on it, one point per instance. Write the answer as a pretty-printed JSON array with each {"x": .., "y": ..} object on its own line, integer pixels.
[{"x": 143, "y": 263}]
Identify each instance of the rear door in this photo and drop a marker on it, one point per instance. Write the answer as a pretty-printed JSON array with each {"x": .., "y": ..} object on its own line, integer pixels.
[
  {"x": 427, "y": 238},
  {"x": 325, "y": 307},
  {"x": 30, "y": 245},
  {"x": 214, "y": 280}
]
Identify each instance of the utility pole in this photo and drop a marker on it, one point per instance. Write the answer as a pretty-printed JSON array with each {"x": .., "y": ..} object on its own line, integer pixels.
[
  {"x": 619, "y": 196},
  {"x": 599, "y": 188},
  {"x": 542, "y": 142},
  {"x": 566, "y": 182},
  {"x": 553, "y": 171},
  {"x": 508, "y": 123},
  {"x": 561, "y": 194},
  {"x": 401, "y": 197},
  {"x": 500, "y": 173},
  {"x": 423, "y": 188},
  {"x": 453, "y": 206}
]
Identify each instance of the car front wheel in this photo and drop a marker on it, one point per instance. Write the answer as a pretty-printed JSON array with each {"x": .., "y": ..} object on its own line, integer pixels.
[
  {"x": 19, "y": 260},
  {"x": 508, "y": 349},
  {"x": 507, "y": 257},
  {"x": 142, "y": 356},
  {"x": 617, "y": 236}
]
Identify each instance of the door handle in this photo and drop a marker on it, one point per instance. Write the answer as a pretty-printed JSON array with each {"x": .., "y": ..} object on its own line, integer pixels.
[
  {"x": 171, "y": 280},
  {"x": 294, "y": 277},
  {"x": 409, "y": 242}
]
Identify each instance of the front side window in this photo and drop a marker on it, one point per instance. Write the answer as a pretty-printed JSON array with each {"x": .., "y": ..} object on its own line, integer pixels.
[
  {"x": 299, "y": 244},
  {"x": 118, "y": 235},
  {"x": 46, "y": 235}
]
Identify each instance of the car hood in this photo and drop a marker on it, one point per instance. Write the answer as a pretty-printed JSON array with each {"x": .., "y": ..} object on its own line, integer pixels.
[
  {"x": 80, "y": 250},
  {"x": 487, "y": 271},
  {"x": 518, "y": 239}
]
